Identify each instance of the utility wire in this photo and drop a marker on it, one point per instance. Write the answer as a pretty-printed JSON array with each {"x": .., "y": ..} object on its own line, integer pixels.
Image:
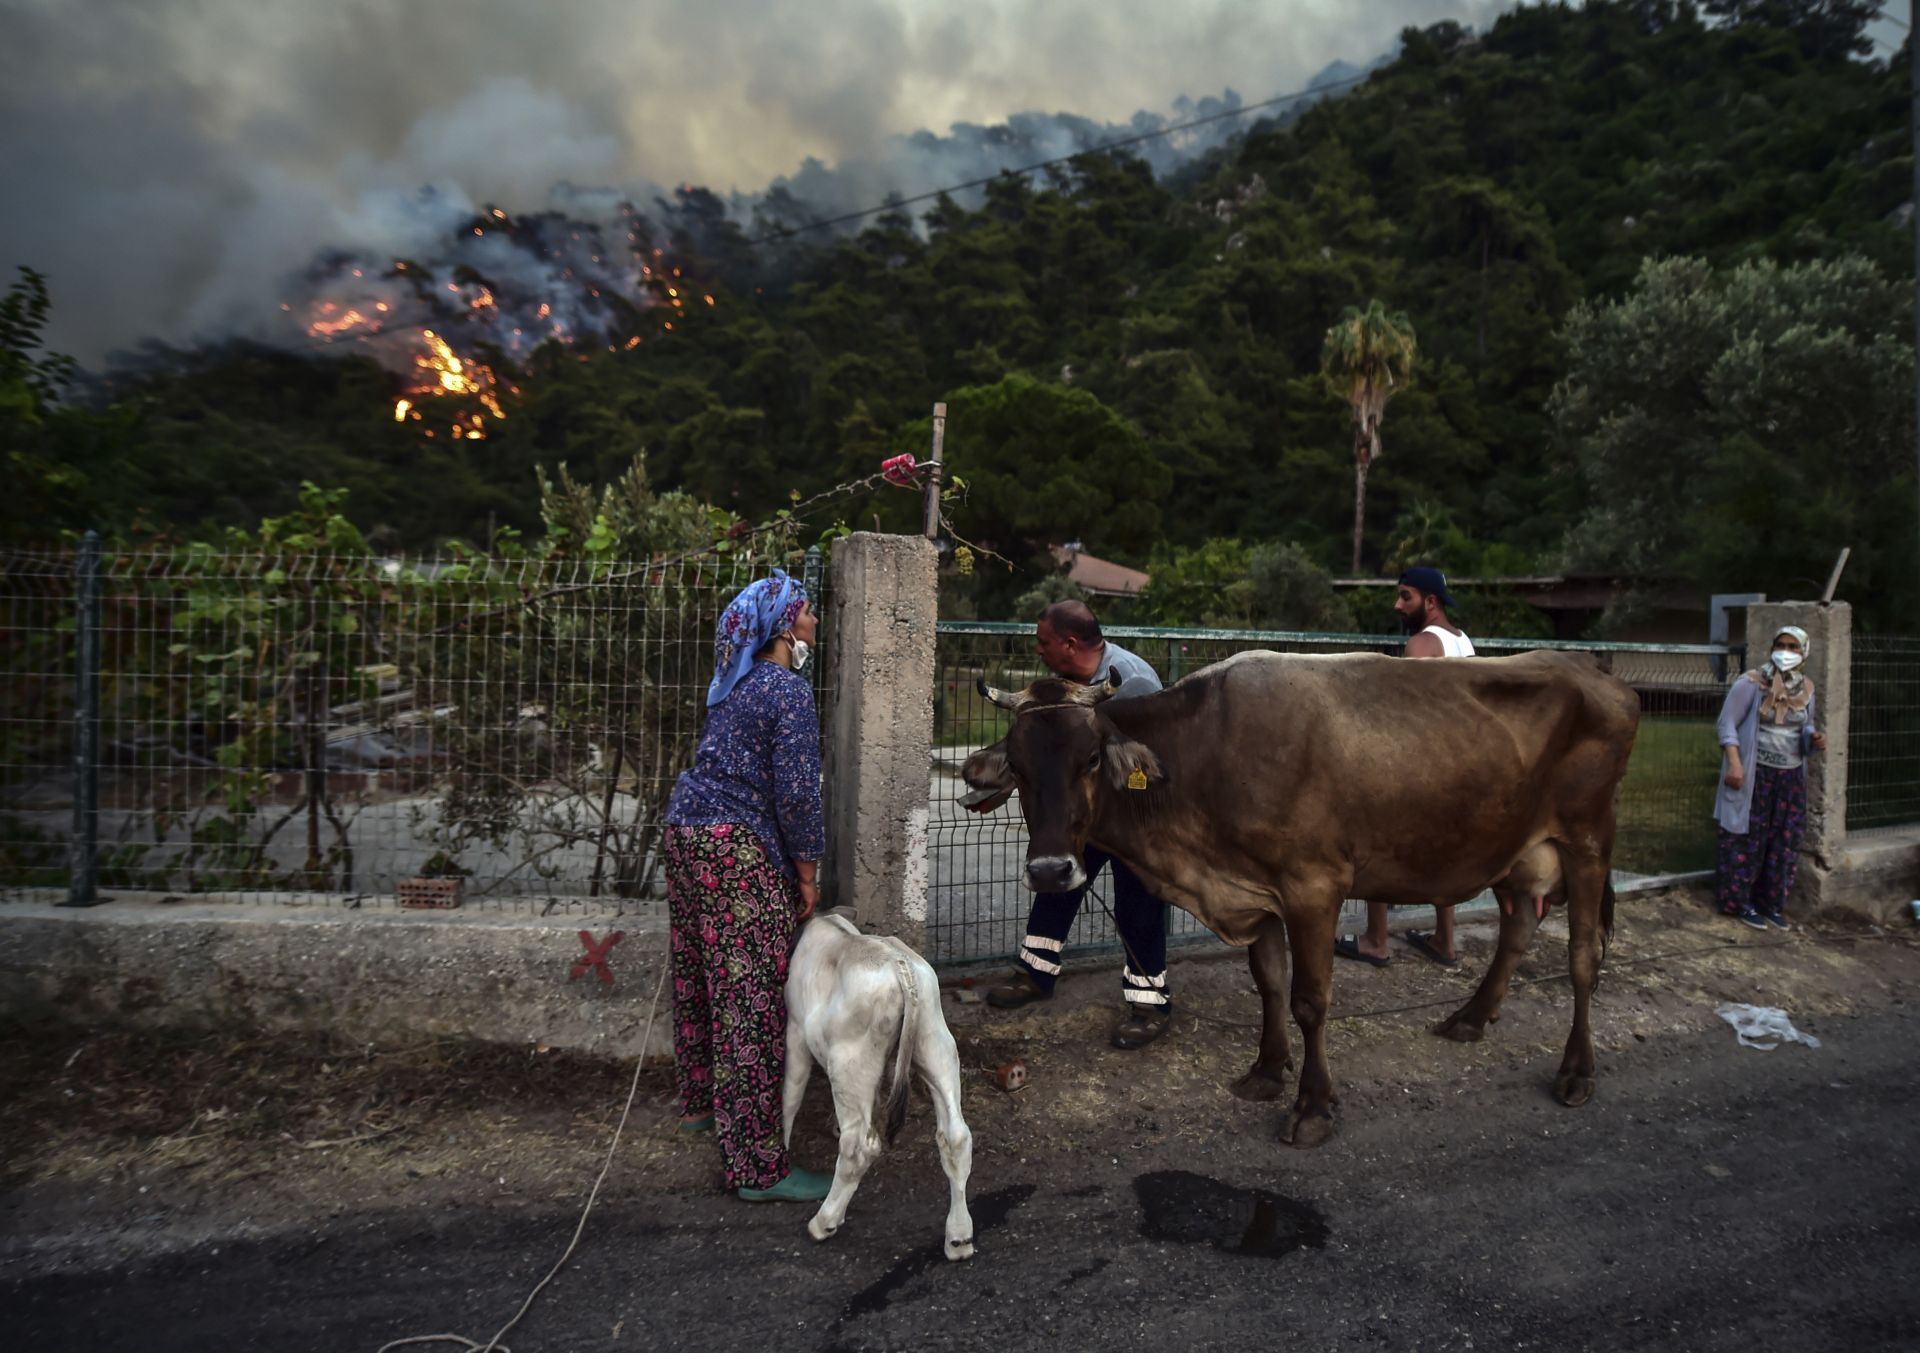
[
  {"x": 788, "y": 232},
  {"x": 1100, "y": 149}
]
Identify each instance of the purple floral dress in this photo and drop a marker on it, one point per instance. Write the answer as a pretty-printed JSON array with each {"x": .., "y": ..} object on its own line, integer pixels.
[
  {"x": 1757, "y": 867},
  {"x": 749, "y": 808},
  {"x": 733, "y": 920}
]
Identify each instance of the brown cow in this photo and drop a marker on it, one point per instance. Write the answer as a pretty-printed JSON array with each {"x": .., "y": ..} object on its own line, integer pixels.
[{"x": 1261, "y": 792}]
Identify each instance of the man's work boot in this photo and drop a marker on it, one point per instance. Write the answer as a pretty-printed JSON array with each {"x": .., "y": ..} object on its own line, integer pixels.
[
  {"x": 1141, "y": 1025},
  {"x": 1018, "y": 990}
]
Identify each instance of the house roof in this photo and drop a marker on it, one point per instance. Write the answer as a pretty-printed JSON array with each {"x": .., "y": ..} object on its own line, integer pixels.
[{"x": 1101, "y": 577}]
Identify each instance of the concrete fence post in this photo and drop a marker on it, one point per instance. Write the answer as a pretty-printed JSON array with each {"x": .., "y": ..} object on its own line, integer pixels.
[
  {"x": 83, "y": 849},
  {"x": 1829, "y": 628},
  {"x": 880, "y": 675}
]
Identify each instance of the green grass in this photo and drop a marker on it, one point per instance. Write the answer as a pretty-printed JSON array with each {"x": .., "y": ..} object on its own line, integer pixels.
[
  {"x": 962, "y": 718},
  {"x": 1666, "y": 801}
]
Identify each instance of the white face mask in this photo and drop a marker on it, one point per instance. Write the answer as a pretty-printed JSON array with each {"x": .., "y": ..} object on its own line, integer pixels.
[
  {"x": 801, "y": 650},
  {"x": 1785, "y": 659}
]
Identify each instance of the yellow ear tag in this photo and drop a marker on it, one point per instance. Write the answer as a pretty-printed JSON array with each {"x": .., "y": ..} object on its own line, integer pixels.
[{"x": 1137, "y": 779}]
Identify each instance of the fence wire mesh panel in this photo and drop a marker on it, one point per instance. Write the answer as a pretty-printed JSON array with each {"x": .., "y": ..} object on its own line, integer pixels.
[
  {"x": 36, "y": 756},
  {"x": 1883, "y": 738},
  {"x": 978, "y": 902},
  {"x": 316, "y": 728}
]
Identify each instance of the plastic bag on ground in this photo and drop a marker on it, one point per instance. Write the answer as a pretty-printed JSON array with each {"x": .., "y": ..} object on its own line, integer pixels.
[{"x": 1763, "y": 1027}]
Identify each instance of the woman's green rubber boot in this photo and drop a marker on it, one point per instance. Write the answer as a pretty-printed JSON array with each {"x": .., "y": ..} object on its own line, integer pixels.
[{"x": 800, "y": 1186}]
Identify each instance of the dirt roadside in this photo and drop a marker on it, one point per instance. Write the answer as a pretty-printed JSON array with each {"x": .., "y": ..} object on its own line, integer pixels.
[{"x": 118, "y": 1145}]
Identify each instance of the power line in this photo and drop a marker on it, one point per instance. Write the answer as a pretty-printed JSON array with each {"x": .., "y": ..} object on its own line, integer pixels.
[
  {"x": 1100, "y": 149},
  {"x": 789, "y": 232}
]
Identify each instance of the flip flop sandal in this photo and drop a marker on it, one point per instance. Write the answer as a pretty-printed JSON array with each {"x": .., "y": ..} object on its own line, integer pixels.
[
  {"x": 1348, "y": 946},
  {"x": 1423, "y": 941}
]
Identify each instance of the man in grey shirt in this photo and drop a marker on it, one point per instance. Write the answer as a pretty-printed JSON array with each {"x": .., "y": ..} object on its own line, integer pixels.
[{"x": 1068, "y": 640}]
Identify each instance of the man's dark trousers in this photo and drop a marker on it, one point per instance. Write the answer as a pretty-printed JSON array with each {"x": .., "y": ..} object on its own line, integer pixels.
[{"x": 1140, "y": 917}]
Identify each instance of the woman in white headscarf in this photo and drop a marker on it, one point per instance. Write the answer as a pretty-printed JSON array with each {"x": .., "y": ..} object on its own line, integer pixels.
[{"x": 1767, "y": 732}]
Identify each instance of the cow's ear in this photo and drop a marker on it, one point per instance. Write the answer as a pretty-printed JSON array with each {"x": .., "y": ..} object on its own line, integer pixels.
[
  {"x": 1132, "y": 765},
  {"x": 989, "y": 779}
]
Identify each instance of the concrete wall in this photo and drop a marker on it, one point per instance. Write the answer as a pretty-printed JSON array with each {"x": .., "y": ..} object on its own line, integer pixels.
[
  {"x": 1875, "y": 874},
  {"x": 388, "y": 978},
  {"x": 881, "y": 677}
]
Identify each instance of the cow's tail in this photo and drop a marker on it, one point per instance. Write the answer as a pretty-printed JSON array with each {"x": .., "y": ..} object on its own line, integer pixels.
[
  {"x": 1606, "y": 928},
  {"x": 906, "y": 1039}
]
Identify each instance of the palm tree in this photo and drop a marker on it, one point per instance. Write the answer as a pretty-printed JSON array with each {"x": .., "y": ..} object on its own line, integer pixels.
[{"x": 1367, "y": 360}]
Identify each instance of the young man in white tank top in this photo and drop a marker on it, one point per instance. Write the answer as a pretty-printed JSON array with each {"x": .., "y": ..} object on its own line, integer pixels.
[{"x": 1422, "y": 603}]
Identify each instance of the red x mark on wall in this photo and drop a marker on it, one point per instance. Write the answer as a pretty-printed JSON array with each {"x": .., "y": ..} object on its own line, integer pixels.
[{"x": 596, "y": 959}]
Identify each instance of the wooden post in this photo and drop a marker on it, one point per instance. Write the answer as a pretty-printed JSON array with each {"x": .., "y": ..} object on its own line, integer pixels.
[
  {"x": 933, "y": 474},
  {"x": 1833, "y": 579}
]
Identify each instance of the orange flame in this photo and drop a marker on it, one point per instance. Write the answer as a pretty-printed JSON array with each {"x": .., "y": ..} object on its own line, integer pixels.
[
  {"x": 327, "y": 328},
  {"x": 444, "y": 372}
]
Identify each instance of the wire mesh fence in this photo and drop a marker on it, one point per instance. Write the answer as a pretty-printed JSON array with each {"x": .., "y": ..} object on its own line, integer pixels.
[
  {"x": 978, "y": 902},
  {"x": 319, "y": 728},
  {"x": 1883, "y": 739}
]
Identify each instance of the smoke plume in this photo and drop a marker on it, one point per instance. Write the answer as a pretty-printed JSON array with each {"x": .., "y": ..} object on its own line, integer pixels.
[{"x": 179, "y": 167}]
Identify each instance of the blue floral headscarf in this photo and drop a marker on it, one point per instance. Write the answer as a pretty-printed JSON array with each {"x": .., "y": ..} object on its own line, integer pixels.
[{"x": 762, "y": 610}]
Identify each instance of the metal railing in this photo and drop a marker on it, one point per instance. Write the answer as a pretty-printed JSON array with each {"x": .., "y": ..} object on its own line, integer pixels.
[
  {"x": 978, "y": 903},
  {"x": 317, "y": 728},
  {"x": 1883, "y": 740}
]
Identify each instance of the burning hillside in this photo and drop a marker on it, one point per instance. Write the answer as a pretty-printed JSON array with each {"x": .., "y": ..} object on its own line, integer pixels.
[{"x": 499, "y": 289}]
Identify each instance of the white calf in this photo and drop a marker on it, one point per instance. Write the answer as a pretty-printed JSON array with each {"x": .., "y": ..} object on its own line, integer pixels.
[{"x": 855, "y": 1003}]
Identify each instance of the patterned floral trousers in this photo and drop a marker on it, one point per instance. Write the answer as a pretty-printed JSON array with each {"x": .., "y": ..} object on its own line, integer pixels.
[
  {"x": 732, "y": 912},
  {"x": 1757, "y": 869}
]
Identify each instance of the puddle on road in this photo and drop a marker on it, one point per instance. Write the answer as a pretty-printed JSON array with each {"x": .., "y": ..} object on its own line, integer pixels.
[
  {"x": 1191, "y": 1209},
  {"x": 989, "y": 1211}
]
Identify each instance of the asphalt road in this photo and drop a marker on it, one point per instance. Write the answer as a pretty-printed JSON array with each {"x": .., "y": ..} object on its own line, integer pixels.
[{"x": 1711, "y": 1197}]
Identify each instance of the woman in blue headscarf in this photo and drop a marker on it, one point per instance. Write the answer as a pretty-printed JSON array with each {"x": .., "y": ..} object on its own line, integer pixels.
[
  {"x": 1767, "y": 732},
  {"x": 743, "y": 846}
]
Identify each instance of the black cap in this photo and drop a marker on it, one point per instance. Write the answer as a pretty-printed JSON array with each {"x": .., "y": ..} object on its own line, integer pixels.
[{"x": 1429, "y": 580}]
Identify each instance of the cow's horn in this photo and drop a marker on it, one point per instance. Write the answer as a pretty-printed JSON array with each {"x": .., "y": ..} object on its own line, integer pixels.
[
  {"x": 1105, "y": 689},
  {"x": 1004, "y": 699}
]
